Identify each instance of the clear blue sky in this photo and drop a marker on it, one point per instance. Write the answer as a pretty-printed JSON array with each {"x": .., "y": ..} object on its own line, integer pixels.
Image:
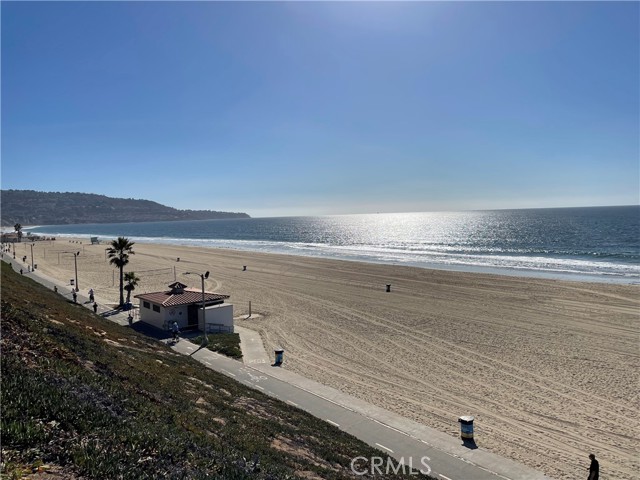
[{"x": 300, "y": 108}]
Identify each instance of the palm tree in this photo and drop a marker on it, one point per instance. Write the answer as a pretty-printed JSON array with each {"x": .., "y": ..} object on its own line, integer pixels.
[
  {"x": 18, "y": 229},
  {"x": 119, "y": 253},
  {"x": 132, "y": 281}
]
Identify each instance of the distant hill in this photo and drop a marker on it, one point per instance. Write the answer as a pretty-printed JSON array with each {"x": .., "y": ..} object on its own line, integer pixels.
[{"x": 29, "y": 207}]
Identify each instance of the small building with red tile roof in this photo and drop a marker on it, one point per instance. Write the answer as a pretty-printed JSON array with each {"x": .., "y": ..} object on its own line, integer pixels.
[{"x": 184, "y": 306}]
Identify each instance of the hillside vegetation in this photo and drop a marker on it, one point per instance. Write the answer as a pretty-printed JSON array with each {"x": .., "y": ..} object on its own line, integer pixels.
[
  {"x": 83, "y": 397},
  {"x": 29, "y": 207}
]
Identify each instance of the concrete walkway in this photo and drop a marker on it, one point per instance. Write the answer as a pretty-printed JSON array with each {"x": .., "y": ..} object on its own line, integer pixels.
[
  {"x": 253, "y": 352},
  {"x": 397, "y": 436}
]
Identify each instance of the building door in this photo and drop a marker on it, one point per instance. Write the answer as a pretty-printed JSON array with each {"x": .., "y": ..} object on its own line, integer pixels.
[{"x": 192, "y": 316}]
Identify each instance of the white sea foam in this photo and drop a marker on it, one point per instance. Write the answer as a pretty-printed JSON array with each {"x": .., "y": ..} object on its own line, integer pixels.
[{"x": 568, "y": 243}]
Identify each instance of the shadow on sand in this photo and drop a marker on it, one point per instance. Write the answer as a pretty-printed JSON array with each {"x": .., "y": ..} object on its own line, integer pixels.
[{"x": 469, "y": 443}]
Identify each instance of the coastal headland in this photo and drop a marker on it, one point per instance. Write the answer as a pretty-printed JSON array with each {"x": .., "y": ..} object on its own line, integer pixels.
[{"x": 548, "y": 368}]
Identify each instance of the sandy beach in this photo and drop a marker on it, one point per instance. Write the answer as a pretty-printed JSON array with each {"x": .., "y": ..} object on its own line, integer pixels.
[{"x": 548, "y": 368}]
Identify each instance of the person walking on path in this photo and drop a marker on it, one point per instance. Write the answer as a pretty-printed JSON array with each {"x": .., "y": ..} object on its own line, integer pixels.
[
  {"x": 594, "y": 468},
  {"x": 75, "y": 297},
  {"x": 91, "y": 299},
  {"x": 95, "y": 307},
  {"x": 175, "y": 330}
]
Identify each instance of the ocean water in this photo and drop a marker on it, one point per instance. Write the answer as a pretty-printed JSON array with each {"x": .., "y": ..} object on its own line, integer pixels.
[{"x": 595, "y": 243}]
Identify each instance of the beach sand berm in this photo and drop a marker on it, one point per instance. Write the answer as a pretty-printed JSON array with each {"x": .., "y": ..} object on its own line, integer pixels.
[{"x": 548, "y": 368}]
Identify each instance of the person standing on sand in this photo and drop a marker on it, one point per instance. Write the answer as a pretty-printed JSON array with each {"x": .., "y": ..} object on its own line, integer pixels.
[
  {"x": 91, "y": 299},
  {"x": 594, "y": 468}
]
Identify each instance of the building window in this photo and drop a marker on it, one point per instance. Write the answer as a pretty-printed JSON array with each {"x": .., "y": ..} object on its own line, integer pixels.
[
  {"x": 156, "y": 308},
  {"x": 146, "y": 304}
]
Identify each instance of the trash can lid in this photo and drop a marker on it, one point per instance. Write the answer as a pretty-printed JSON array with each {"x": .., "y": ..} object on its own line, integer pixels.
[
  {"x": 466, "y": 419},
  {"x": 279, "y": 350}
]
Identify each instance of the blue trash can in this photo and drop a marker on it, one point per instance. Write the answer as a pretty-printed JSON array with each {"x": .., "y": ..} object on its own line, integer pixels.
[
  {"x": 279, "y": 356},
  {"x": 466, "y": 427}
]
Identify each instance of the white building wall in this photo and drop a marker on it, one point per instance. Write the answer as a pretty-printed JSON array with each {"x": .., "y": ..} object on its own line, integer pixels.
[
  {"x": 176, "y": 314},
  {"x": 165, "y": 317},
  {"x": 147, "y": 315},
  {"x": 219, "y": 318}
]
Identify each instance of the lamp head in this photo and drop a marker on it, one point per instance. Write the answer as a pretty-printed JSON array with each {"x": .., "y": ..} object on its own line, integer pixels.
[{"x": 206, "y": 274}]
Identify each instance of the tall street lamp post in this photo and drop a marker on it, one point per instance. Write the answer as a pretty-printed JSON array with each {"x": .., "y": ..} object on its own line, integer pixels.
[
  {"x": 203, "y": 277},
  {"x": 75, "y": 264},
  {"x": 32, "y": 269}
]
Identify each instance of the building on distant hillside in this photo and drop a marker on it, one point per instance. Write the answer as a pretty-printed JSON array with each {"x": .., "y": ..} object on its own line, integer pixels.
[{"x": 184, "y": 305}]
